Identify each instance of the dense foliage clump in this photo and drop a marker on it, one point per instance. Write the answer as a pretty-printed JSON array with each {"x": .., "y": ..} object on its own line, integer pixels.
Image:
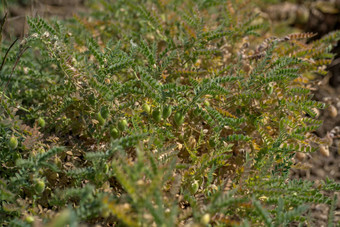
[{"x": 159, "y": 113}]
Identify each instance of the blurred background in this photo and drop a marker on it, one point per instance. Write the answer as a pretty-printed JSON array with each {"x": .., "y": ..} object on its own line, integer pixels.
[{"x": 18, "y": 10}]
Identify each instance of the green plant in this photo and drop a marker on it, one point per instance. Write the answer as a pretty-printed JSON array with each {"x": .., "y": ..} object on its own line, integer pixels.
[{"x": 235, "y": 105}]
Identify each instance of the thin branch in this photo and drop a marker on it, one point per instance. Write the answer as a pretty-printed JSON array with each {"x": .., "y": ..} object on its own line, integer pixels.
[
  {"x": 15, "y": 64},
  {"x": 5, "y": 57}
]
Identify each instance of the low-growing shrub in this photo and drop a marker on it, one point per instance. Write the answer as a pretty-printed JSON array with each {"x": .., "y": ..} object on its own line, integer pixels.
[{"x": 159, "y": 113}]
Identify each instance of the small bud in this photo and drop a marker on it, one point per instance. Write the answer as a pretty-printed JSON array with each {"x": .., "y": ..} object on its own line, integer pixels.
[
  {"x": 35, "y": 35},
  {"x": 324, "y": 150},
  {"x": 46, "y": 34},
  {"x": 23, "y": 42}
]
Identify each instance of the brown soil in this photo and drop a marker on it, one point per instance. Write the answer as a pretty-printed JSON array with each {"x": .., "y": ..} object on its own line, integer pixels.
[
  {"x": 16, "y": 21},
  {"x": 321, "y": 167},
  {"x": 317, "y": 166}
]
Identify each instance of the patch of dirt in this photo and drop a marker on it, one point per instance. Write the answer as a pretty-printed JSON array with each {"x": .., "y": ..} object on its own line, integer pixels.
[{"x": 16, "y": 21}]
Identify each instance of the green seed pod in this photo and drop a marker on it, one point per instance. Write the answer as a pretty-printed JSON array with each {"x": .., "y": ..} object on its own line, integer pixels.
[
  {"x": 106, "y": 168},
  {"x": 122, "y": 125},
  {"x": 41, "y": 122},
  {"x": 269, "y": 89},
  {"x": 206, "y": 103},
  {"x": 167, "y": 112},
  {"x": 39, "y": 186},
  {"x": 29, "y": 219},
  {"x": 104, "y": 111},
  {"x": 100, "y": 119},
  {"x": 114, "y": 132},
  {"x": 179, "y": 118},
  {"x": 194, "y": 187},
  {"x": 57, "y": 161},
  {"x": 156, "y": 114},
  {"x": 13, "y": 142},
  {"x": 205, "y": 219},
  {"x": 146, "y": 108}
]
